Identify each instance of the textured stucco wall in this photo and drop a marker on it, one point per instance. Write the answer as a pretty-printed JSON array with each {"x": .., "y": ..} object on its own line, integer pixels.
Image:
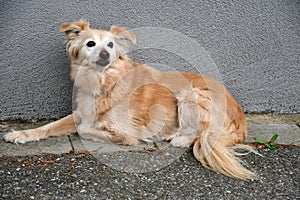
[{"x": 255, "y": 45}]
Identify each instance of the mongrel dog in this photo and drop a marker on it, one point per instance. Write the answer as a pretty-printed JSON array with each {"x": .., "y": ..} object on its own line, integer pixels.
[{"x": 125, "y": 102}]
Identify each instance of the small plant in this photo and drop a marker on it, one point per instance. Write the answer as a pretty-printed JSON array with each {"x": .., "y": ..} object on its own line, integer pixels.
[{"x": 269, "y": 144}]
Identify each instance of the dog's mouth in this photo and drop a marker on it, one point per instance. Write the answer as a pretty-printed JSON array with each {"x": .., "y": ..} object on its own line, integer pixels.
[{"x": 102, "y": 63}]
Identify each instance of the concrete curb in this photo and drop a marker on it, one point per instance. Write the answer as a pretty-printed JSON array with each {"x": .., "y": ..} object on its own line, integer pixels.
[{"x": 288, "y": 134}]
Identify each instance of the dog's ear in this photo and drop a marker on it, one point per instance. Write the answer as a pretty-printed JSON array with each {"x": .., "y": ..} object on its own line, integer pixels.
[
  {"x": 123, "y": 38},
  {"x": 123, "y": 34},
  {"x": 73, "y": 29}
]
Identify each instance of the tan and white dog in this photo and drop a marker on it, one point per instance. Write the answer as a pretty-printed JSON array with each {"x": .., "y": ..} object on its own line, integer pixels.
[{"x": 125, "y": 102}]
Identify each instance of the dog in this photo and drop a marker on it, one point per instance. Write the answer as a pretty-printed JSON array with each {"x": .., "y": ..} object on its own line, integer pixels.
[{"x": 125, "y": 102}]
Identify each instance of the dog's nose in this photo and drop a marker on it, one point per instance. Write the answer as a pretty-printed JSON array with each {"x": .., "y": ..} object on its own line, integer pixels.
[{"x": 104, "y": 55}]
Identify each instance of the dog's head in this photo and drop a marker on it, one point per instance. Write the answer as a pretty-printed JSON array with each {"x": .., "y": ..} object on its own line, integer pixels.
[{"x": 94, "y": 47}]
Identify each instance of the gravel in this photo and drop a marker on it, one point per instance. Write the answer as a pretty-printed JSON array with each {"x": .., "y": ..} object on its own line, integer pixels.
[{"x": 82, "y": 176}]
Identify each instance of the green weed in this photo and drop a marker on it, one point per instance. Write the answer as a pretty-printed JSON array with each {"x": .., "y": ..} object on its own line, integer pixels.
[{"x": 268, "y": 144}]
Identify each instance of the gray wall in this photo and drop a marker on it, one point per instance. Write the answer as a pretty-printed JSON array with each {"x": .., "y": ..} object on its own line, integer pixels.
[{"x": 255, "y": 45}]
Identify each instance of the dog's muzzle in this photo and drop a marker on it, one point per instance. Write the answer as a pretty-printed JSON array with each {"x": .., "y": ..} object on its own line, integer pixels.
[{"x": 103, "y": 58}]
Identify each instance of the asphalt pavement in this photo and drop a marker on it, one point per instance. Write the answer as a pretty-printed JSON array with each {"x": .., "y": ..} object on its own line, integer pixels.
[{"x": 71, "y": 168}]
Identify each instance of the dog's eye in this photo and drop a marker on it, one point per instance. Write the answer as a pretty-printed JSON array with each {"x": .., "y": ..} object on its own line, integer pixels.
[
  {"x": 90, "y": 44},
  {"x": 110, "y": 45}
]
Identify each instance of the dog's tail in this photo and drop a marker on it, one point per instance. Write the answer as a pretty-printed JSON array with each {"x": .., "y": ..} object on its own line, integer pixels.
[
  {"x": 218, "y": 123},
  {"x": 221, "y": 158}
]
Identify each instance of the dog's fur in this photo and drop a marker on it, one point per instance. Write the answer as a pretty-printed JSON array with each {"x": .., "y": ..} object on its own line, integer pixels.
[{"x": 125, "y": 102}]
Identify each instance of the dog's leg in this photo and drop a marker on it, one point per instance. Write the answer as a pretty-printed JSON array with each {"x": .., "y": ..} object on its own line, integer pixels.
[
  {"x": 201, "y": 121},
  {"x": 94, "y": 134},
  {"x": 214, "y": 140},
  {"x": 188, "y": 118},
  {"x": 64, "y": 126},
  {"x": 98, "y": 134}
]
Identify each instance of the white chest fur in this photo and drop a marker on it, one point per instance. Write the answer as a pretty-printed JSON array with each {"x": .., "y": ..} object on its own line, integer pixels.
[
  {"x": 86, "y": 109},
  {"x": 87, "y": 82}
]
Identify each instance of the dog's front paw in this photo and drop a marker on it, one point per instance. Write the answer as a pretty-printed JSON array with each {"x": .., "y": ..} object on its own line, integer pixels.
[{"x": 17, "y": 137}]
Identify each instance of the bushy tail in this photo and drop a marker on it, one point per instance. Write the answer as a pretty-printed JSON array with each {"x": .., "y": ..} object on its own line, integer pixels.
[{"x": 218, "y": 157}]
